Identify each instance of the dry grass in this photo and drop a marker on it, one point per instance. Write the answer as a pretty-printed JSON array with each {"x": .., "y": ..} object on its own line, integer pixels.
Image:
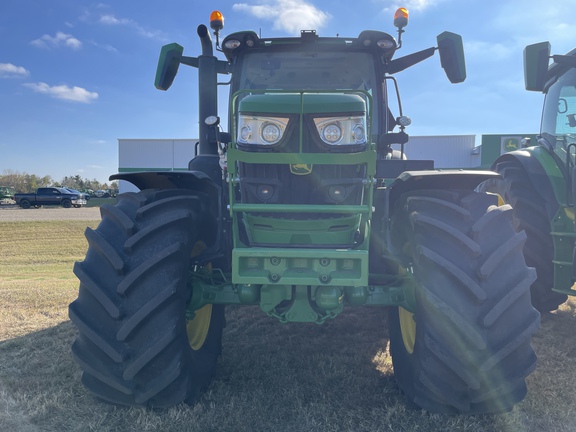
[{"x": 272, "y": 377}]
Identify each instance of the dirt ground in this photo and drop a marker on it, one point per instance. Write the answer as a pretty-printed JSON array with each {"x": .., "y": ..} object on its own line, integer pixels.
[{"x": 13, "y": 213}]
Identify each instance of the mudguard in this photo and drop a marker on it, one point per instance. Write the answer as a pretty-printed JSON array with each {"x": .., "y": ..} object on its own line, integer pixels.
[
  {"x": 192, "y": 180},
  {"x": 437, "y": 179},
  {"x": 538, "y": 176}
]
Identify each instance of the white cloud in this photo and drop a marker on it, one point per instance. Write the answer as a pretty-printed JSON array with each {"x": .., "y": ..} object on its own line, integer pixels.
[
  {"x": 534, "y": 22},
  {"x": 411, "y": 5},
  {"x": 60, "y": 39},
  {"x": 289, "y": 15},
  {"x": 74, "y": 94},
  {"x": 8, "y": 70},
  {"x": 112, "y": 20}
]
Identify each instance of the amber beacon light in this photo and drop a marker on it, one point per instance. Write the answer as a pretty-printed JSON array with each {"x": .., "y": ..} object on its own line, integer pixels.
[
  {"x": 216, "y": 21},
  {"x": 401, "y": 18}
]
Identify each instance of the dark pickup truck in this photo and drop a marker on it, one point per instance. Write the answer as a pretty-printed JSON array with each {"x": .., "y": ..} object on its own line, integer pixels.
[{"x": 50, "y": 196}]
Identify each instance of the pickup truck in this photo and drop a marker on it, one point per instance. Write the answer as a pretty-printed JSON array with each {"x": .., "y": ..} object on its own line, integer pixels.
[{"x": 50, "y": 196}]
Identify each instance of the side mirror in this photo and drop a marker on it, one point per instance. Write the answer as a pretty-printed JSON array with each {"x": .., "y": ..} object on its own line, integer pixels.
[
  {"x": 451, "y": 51},
  {"x": 168, "y": 64},
  {"x": 536, "y": 59}
]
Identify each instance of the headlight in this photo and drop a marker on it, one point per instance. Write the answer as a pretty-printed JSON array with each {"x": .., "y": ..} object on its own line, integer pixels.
[
  {"x": 261, "y": 130},
  {"x": 342, "y": 130}
]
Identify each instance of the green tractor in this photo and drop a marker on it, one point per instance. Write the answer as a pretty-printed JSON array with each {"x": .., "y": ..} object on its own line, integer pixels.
[
  {"x": 6, "y": 194},
  {"x": 539, "y": 181},
  {"x": 304, "y": 208}
]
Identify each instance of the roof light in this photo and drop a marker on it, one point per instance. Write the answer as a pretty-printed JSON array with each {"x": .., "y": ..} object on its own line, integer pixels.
[
  {"x": 216, "y": 21},
  {"x": 232, "y": 44},
  {"x": 401, "y": 18},
  {"x": 385, "y": 44}
]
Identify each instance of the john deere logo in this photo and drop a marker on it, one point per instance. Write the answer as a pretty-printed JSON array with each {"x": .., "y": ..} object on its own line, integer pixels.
[
  {"x": 301, "y": 169},
  {"x": 510, "y": 144}
]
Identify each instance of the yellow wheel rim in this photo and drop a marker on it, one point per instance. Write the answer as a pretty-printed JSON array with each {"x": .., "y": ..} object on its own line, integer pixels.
[
  {"x": 407, "y": 328},
  {"x": 198, "y": 327}
]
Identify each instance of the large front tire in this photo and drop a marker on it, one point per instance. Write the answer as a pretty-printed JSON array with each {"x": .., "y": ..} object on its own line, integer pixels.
[
  {"x": 134, "y": 343},
  {"x": 468, "y": 349}
]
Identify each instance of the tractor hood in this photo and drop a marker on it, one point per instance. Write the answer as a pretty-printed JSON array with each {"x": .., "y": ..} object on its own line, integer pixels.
[{"x": 295, "y": 103}]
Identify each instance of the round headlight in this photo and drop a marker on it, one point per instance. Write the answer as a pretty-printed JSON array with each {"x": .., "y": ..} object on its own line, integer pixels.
[
  {"x": 245, "y": 133},
  {"x": 332, "y": 133},
  {"x": 358, "y": 134},
  {"x": 270, "y": 133}
]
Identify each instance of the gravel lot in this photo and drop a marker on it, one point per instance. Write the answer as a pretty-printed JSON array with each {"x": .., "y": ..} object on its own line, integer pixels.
[{"x": 13, "y": 213}]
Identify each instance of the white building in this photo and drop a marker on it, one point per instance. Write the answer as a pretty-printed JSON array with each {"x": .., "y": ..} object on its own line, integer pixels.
[
  {"x": 447, "y": 151},
  {"x": 153, "y": 155}
]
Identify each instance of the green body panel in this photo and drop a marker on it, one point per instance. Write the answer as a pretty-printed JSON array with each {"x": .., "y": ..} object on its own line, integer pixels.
[
  {"x": 563, "y": 237},
  {"x": 262, "y": 229},
  {"x": 553, "y": 171},
  {"x": 285, "y": 103},
  {"x": 368, "y": 157},
  {"x": 300, "y": 266}
]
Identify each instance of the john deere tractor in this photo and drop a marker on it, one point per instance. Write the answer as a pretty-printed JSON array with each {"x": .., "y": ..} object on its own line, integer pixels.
[
  {"x": 304, "y": 208},
  {"x": 539, "y": 181}
]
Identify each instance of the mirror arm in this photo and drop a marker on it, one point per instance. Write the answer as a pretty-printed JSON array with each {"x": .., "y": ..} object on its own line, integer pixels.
[{"x": 189, "y": 61}]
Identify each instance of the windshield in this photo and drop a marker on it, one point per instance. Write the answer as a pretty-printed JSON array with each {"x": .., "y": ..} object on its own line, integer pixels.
[
  {"x": 310, "y": 70},
  {"x": 559, "y": 116}
]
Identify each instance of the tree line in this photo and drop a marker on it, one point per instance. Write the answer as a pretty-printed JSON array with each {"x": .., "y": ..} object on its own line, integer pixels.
[{"x": 27, "y": 183}]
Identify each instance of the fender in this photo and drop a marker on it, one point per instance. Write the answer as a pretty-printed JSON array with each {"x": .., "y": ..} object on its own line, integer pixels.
[
  {"x": 550, "y": 185},
  {"x": 437, "y": 179},
  {"x": 191, "y": 180}
]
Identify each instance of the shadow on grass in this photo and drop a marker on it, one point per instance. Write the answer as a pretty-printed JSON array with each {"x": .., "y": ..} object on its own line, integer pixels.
[{"x": 271, "y": 377}]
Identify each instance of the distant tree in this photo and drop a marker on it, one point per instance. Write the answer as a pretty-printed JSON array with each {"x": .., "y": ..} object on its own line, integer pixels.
[{"x": 24, "y": 182}]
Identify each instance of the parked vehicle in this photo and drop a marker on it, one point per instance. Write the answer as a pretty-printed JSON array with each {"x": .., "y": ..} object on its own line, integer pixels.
[
  {"x": 304, "y": 208},
  {"x": 50, "y": 196},
  {"x": 102, "y": 194},
  {"x": 84, "y": 195},
  {"x": 6, "y": 194},
  {"x": 540, "y": 181}
]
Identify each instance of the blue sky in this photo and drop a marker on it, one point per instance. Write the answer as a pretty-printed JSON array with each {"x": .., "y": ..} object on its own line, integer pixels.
[{"x": 77, "y": 75}]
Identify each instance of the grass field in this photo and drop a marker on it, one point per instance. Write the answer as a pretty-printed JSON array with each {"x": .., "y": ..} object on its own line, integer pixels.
[{"x": 271, "y": 377}]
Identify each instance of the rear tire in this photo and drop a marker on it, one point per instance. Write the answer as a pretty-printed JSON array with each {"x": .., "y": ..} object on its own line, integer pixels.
[
  {"x": 468, "y": 350},
  {"x": 25, "y": 204},
  {"x": 133, "y": 343},
  {"x": 529, "y": 215}
]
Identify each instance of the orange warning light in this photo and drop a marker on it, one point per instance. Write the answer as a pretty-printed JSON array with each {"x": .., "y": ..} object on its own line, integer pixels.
[
  {"x": 216, "y": 21},
  {"x": 401, "y": 18}
]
